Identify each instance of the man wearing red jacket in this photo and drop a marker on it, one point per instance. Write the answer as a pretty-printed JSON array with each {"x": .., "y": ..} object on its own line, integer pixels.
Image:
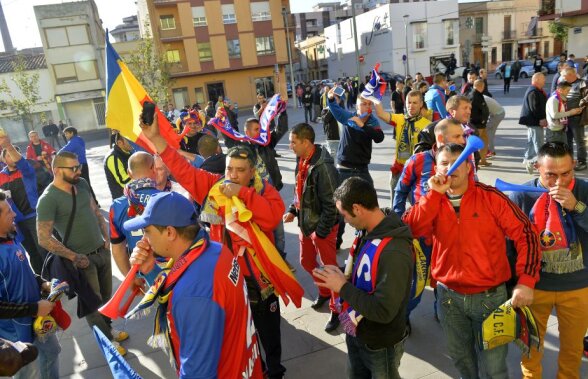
[
  {"x": 267, "y": 208},
  {"x": 39, "y": 150},
  {"x": 469, "y": 223}
]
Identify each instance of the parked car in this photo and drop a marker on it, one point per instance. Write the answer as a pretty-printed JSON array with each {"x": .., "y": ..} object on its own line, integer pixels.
[
  {"x": 527, "y": 69},
  {"x": 551, "y": 64},
  {"x": 289, "y": 89},
  {"x": 328, "y": 82}
]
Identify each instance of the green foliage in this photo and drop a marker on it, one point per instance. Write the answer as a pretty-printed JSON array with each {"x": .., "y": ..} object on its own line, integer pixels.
[
  {"x": 151, "y": 69},
  {"x": 558, "y": 30},
  {"x": 21, "y": 104}
]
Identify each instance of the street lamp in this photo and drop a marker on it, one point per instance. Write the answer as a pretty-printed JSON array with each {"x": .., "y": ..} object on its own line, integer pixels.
[
  {"x": 285, "y": 14},
  {"x": 406, "y": 70}
]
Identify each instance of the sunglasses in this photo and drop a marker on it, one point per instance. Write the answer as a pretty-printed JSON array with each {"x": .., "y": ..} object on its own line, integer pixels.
[{"x": 72, "y": 168}]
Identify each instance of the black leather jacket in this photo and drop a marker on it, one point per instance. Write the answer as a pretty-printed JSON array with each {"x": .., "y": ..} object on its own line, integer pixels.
[{"x": 318, "y": 212}]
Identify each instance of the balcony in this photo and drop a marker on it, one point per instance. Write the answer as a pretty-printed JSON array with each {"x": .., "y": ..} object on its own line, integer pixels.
[
  {"x": 170, "y": 35},
  {"x": 547, "y": 8},
  {"x": 177, "y": 67},
  {"x": 537, "y": 32},
  {"x": 509, "y": 34},
  {"x": 165, "y": 2}
]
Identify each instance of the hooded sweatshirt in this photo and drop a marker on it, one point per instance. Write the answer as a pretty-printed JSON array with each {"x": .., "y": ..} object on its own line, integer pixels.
[{"x": 384, "y": 311}]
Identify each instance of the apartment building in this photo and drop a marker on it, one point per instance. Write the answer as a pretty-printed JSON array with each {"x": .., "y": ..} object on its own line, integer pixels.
[
  {"x": 73, "y": 41},
  {"x": 222, "y": 48},
  {"x": 403, "y": 37},
  {"x": 313, "y": 63},
  {"x": 574, "y": 15},
  {"x": 513, "y": 28}
]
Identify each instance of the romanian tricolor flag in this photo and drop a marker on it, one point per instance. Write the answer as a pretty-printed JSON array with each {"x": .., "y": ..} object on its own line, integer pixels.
[{"x": 124, "y": 102}]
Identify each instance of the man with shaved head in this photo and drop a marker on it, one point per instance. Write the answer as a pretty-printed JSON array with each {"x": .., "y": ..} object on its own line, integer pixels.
[
  {"x": 534, "y": 118},
  {"x": 136, "y": 193}
]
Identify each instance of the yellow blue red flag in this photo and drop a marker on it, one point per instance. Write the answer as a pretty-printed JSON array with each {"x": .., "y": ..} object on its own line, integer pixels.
[{"x": 124, "y": 102}]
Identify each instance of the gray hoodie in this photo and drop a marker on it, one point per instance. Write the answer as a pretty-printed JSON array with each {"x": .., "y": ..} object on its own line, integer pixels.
[{"x": 384, "y": 311}]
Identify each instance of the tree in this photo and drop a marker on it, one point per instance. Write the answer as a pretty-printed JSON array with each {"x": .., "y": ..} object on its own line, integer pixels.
[
  {"x": 558, "y": 30},
  {"x": 21, "y": 104},
  {"x": 151, "y": 69}
]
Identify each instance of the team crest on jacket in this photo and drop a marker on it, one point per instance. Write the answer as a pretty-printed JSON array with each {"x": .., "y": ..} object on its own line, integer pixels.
[
  {"x": 20, "y": 255},
  {"x": 274, "y": 306}
]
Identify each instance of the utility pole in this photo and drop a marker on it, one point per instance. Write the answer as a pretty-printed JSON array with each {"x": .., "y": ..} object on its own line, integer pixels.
[
  {"x": 405, "y": 17},
  {"x": 356, "y": 44},
  {"x": 285, "y": 14}
]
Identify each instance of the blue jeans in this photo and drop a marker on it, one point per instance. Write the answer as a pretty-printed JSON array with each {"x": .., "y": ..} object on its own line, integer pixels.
[
  {"x": 535, "y": 137},
  {"x": 461, "y": 317},
  {"x": 366, "y": 363},
  {"x": 46, "y": 366}
]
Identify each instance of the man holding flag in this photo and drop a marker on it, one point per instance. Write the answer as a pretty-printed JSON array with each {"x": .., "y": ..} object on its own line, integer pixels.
[{"x": 251, "y": 240}]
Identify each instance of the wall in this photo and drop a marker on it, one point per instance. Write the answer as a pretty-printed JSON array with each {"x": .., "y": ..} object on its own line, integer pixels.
[{"x": 387, "y": 44}]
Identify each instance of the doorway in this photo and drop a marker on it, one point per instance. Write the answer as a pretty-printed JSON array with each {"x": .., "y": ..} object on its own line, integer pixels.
[{"x": 215, "y": 90}]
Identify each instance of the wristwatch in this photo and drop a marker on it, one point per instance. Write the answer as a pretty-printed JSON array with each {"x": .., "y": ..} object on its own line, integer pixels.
[{"x": 580, "y": 207}]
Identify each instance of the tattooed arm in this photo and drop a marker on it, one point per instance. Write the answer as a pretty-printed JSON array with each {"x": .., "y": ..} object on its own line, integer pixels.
[
  {"x": 102, "y": 223},
  {"x": 49, "y": 242}
]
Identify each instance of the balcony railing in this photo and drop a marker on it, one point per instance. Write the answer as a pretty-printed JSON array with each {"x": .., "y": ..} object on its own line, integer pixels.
[
  {"x": 537, "y": 32},
  {"x": 168, "y": 35},
  {"x": 509, "y": 34},
  {"x": 157, "y": 2}
]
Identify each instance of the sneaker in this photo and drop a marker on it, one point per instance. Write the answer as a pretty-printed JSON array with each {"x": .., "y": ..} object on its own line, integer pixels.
[
  {"x": 121, "y": 350},
  {"x": 580, "y": 166},
  {"x": 119, "y": 335}
]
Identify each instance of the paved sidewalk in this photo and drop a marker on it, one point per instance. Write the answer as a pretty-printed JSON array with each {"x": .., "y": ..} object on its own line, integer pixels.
[{"x": 309, "y": 352}]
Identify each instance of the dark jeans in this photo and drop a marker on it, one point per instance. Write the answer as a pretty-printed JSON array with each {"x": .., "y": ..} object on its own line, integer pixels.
[
  {"x": 99, "y": 276},
  {"x": 345, "y": 173},
  {"x": 28, "y": 230},
  {"x": 366, "y": 363},
  {"x": 307, "y": 114},
  {"x": 506, "y": 85},
  {"x": 575, "y": 131},
  {"x": 461, "y": 317},
  {"x": 266, "y": 317}
]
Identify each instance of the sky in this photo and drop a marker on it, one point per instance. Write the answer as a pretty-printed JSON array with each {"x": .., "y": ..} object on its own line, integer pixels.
[{"x": 25, "y": 33}]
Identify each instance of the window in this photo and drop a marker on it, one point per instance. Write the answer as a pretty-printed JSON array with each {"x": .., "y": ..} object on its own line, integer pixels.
[
  {"x": 204, "y": 52},
  {"x": 450, "y": 27},
  {"x": 234, "y": 47},
  {"x": 419, "y": 32},
  {"x": 172, "y": 56},
  {"x": 260, "y": 11},
  {"x": 479, "y": 25},
  {"x": 68, "y": 36},
  {"x": 265, "y": 45},
  {"x": 167, "y": 22},
  {"x": 180, "y": 96},
  {"x": 229, "y": 16},
  {"x": 72, "y": 72},
  {"x": 65, "y": 73},
  {"x": 198, "y": 16},
  {"x": 545, "y": 48},
  {"x": 199, "y": 95}
]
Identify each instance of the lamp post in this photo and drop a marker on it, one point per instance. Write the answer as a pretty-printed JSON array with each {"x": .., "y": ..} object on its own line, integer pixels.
[
  {"x": 405, "y": 17},
  {"x": 356, "y": 44},
  {"x": 285, "y": 14}
]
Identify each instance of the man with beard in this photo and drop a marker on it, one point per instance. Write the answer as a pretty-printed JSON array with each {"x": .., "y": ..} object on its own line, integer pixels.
[{"x": 87, "y": 246}]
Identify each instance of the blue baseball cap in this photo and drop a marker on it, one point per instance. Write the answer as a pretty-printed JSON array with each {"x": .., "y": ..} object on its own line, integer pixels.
[{"x": 165, "y": 209}]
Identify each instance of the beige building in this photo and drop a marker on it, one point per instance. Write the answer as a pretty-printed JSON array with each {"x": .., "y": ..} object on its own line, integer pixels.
[
  {"x": 313, "y": 62},
  {"x": 513, "y": 28},
  {"x": 574, "y": 15},
  {"x": 222, "y": 48}
]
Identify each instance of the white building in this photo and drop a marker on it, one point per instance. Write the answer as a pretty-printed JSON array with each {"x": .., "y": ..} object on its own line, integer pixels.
[
  {"x": 45, "y": 108},
  {"x": 432, "y": 33},
  {"x": 73, "y": 40}
]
